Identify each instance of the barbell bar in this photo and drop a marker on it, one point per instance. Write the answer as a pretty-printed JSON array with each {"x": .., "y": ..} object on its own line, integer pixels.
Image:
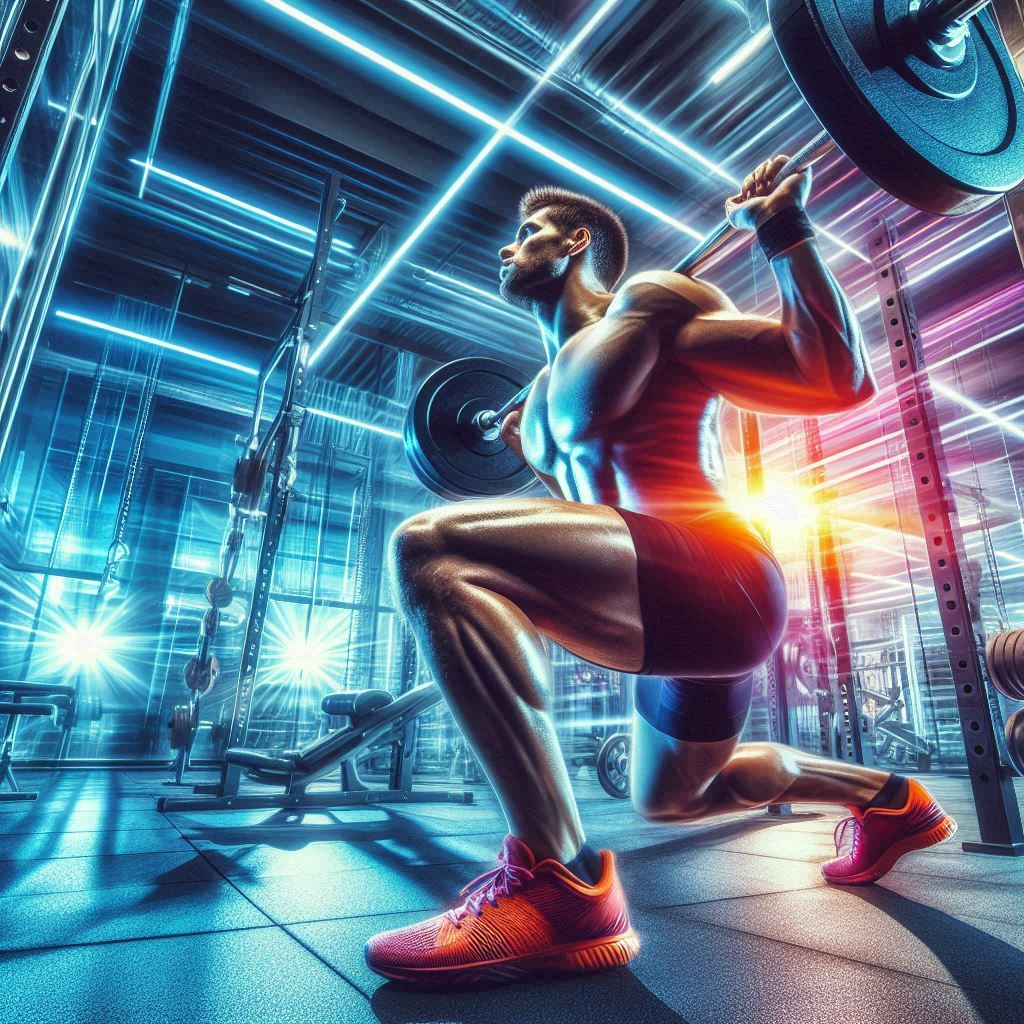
[{"x": 923, "y": 97}]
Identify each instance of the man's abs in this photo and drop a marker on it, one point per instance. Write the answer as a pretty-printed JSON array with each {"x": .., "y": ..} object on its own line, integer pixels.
[{"x": 661, "y": 458}]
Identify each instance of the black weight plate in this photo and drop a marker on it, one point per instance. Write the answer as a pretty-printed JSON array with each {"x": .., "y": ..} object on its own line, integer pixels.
[
  {"x": 613, "y": 765},
  {"x": 447, "y": 454},
  {"x": 1004, "y": 654},
  {"x": 946, "y": 141},
  {"x": 1014, "y": 731}
]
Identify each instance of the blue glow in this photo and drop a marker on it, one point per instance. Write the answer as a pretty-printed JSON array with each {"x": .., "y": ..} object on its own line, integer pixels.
[
  {"x": 672, "y": 140},
  {"x": 456, "y": 186},
  {"x": 173, "y": 52},
  {"x": 86, "y": 645},
  {"x": 752, "y": 46},
  {"x": 206, "y": 357},
  {"x": 480, "y": 115},
  {"x": 9, "y": 240},
  {"x": 464, "y": 285},
  {"x": 146, "y": 340},
  {"x": 354, "y": 423},
  {"x": 238, "y": 204},
  {"x": 63, "y": 110},
  {"x": 303, "y": 647}
]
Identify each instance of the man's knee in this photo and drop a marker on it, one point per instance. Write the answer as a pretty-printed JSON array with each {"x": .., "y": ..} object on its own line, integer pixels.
[
  {"x": 758, "y": 772},
  {"x": 424, "y": 554},
  {"x": 660, "y": 794},
  {"x": 415, "y": 546},
  {"x": 668, "y": 807}
]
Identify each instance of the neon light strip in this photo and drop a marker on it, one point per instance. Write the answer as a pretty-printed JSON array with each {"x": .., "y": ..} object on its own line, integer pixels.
[
  {"x": 676, "y": 143},
  {"x": 396, "y": 257},
  {"x": 239, "y": 204},
  {"x": 503, "y": 129},
  {"x": 978, "y": 410},
  {"x": 354, "y": 423},
  {"x": 147, "y": 340},
  {"x": 63, "y": 110},
  {"x": 711, "y": 166},
  {"x": 931, "y": 271},
  {"x": 10, "y": 240},
  {"x": 207, "y": 358},
  {"x": 173, "y": 52},
  {"x": 477, "y": 114},
  {"x": 767, "y": 129},
  {"x": 754, "y": 45},
  {"x": 465, "y": 285}
]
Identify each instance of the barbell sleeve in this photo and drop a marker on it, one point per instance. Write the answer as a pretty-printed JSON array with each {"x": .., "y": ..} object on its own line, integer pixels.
[
  {"x": 808, "y": 155},
  {"x": 486, "y": 420}
]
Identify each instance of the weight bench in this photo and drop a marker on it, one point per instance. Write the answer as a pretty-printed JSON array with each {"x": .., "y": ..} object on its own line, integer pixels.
[
  {"x": 373, "y": 716},
  {"x": 310, "y": 762},
  {"x": 14, "y": 710}
]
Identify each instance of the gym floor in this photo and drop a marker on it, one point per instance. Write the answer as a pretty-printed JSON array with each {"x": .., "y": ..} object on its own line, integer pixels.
[{"x": 112, "y": 911}]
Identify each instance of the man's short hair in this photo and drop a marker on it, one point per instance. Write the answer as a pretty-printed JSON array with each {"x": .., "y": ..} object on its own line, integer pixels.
[{"x": 609, "y": 247}]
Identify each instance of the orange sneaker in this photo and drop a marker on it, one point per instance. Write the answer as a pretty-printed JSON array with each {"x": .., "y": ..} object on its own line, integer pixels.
[
  {"x": 522, "y": 920},
  {"x": 871, "y": 841}
]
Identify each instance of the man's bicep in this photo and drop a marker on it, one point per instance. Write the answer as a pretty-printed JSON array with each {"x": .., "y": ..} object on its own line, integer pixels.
[{"x": 748, "y": 361}]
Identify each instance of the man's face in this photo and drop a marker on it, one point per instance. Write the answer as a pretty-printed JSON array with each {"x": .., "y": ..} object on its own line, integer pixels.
[{"x": 533, "y": 266}]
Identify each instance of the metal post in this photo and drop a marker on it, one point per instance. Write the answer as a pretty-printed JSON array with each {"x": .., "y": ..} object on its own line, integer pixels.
[
  {"x": 775, "y": 672},
  {"x": 282, "y": 442},
  {"x": 22, "y": 64},
  {"x": 994, "y": 798},
  {"x": 851, "y": 746},
  {"x": 778, "y": 705}
]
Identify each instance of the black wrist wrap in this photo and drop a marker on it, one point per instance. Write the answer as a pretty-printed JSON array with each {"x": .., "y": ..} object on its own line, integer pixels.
[{"x": 784, "y": 230}]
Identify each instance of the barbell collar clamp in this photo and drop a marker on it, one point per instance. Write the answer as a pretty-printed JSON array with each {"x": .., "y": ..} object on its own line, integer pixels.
[{"x": 488, "y": 423}]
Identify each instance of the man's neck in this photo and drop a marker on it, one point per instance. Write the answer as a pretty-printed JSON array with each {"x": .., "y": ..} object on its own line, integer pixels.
[{"x": 578, "y": 306}]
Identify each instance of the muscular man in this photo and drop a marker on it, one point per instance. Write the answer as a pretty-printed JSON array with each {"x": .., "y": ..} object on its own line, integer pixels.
[{"x": 637, "y": 564}]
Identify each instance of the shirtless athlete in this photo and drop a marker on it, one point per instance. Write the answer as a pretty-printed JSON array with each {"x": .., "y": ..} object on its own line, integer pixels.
[{"x": 637, "y": 564}]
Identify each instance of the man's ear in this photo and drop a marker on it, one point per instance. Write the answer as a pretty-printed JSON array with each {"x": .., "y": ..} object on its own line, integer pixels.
[{"x": 580, "y": 240}]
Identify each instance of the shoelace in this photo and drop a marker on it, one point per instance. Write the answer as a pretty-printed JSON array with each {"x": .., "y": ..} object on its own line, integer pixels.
[
  {"x": 846, "y": 841},
  {"x": 500, "y": 881}
]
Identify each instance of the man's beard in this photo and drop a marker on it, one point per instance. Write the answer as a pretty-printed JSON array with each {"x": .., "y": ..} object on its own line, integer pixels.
[{"x": 518, "y": 285}]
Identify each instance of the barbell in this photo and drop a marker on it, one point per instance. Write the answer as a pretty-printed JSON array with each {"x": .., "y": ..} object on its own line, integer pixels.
[{"x": 923, "y": 97}]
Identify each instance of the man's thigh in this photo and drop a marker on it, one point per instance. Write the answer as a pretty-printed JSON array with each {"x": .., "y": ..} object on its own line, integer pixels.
[{"x": 569, "y": 567}]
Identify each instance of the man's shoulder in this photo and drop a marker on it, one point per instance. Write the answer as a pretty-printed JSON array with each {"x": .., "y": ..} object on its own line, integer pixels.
[{"x": 657, "y": 291}]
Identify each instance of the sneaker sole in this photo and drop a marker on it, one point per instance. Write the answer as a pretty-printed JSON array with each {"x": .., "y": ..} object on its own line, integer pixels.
[
  {"x": 588, "y": 957},
  {"x": 946, "y": 829}
]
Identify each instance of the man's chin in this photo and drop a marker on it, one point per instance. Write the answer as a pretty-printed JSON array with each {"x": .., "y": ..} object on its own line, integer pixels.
[{"x": 512, "y": 295}]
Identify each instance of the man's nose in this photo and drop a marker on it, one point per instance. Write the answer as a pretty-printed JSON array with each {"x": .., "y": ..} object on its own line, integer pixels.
[{"x": 506, "y": 252}]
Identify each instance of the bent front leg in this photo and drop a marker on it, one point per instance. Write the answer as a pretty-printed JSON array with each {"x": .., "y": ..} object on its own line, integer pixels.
[{"x": 479, "y": 583}]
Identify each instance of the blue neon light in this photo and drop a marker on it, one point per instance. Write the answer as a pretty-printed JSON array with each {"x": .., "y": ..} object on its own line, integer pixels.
[
  {"x": 505, "y": 128},
  {"x": 159, "y": 343},
  {"x": 192, "y": 353},
  {"x": 238, "y": 204},
  {"x": 173, "y": 52}
]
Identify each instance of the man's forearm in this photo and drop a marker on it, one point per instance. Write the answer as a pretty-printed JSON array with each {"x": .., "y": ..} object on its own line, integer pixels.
[{"x": 820, "y": 325}]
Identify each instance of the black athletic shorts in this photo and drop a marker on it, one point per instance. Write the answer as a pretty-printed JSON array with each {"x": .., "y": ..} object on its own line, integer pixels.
[{"x": 713, "y": 602}]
